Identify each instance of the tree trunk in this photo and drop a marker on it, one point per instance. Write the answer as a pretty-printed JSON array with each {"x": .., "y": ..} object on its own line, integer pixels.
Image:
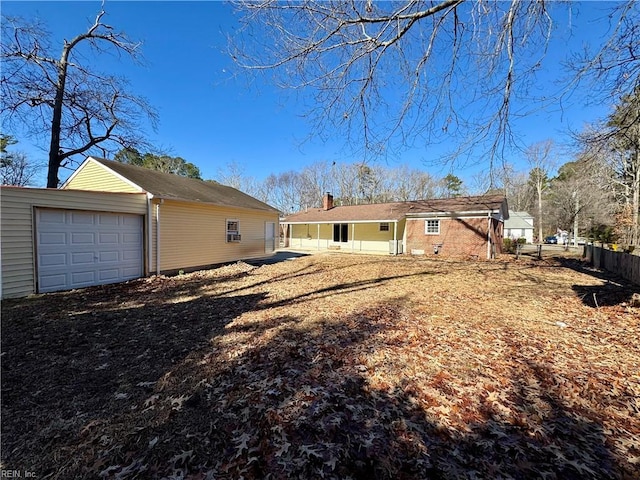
[
  {"x": 575, "y": 220},
  {"x": 635, "y": 203},
  {"x": 539, "y": 191},
  {"x": 54, "y": 147}
]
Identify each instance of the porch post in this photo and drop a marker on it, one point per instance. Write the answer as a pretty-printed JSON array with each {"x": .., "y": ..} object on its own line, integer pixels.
[
  {"x": 395, "y": 237},
  {"x": 489, "y": 237},
  {"x": 353, "y": 237},
  {"x": 318, "y": 236}
]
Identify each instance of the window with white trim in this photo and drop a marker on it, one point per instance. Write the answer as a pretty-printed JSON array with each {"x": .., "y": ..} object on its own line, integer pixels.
[
  {"x": 384, "y": 226},
  {"x": 233, "y": 230},
  {"x": 432, "y": 227}
]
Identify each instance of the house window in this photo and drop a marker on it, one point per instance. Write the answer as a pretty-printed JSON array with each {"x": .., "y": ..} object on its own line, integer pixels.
[
  {"x": 384, "y": 227},
  {"x": 340, "y": 232},
  {"x": 233, "y": 231},
  {"x": 432, "y": 227}
]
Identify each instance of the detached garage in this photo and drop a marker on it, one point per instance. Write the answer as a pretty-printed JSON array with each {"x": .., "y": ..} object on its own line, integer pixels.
[
  {"x": 62, "y": 239},
  {"x": 112, "y": 222}
]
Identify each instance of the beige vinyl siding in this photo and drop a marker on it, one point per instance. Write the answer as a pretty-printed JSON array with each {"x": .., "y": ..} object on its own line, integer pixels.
[
  {"x": 194, "y": 235},
  {"x": 93, "y": 176},
  {"x": 17, "y": 233}
]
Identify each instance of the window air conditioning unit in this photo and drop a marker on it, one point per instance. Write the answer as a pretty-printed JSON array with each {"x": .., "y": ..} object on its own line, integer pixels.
[{"x": 233, "y": 237}]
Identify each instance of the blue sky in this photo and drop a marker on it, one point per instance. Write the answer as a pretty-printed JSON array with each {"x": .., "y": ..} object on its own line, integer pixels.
[{"x": 211, "y": 118}]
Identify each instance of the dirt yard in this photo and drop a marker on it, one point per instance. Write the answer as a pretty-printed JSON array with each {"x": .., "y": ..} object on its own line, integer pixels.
[{"x": 329, "y": 366}]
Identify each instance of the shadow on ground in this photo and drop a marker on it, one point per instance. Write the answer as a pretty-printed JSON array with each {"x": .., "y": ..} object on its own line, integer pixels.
[
  {"x": 614, "y": 290},
  {"x": 178, "y": 389}
]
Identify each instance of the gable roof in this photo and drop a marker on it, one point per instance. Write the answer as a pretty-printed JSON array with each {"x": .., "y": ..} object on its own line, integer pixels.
[
  {"x": 390, "y": 212},
  {"x": 519, "y": 220},
  {"x": 174, "y": 187}
]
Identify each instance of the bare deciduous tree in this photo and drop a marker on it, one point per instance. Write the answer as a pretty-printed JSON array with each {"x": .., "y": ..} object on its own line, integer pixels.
[
  {"x": 541, "y": 161},
  {"x": 616, "y": 143},
  {"x": 624, "y": 125},
  {"x": 395, "y": 74},
  {"x": 579, "y": 198},
  {"x": 17, "y": 170},
  {"x": 411, "y": 184},
  {"x": 378, "y": 68},
  {"x": 612, "y": 68},
  {"x": 63, "y": 99}
]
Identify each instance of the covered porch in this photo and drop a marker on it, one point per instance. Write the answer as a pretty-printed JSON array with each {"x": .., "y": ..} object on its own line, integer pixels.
[{"x": 364, "y": 236}]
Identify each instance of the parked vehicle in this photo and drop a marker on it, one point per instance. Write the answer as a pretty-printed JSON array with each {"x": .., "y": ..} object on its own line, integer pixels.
[
  {"x": 551, "y": 239},
  {"x": 581, "y": 241}
]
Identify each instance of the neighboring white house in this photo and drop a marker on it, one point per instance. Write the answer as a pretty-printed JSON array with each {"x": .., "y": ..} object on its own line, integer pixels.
[{"x": 519, "y": 225}]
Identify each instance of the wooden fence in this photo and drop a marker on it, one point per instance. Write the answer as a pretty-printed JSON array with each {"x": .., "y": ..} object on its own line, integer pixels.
[{"x": 623, "y": 264}]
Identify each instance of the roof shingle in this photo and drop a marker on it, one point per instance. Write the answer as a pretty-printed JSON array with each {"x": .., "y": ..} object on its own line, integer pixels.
[
  {"x": 395, "y": 211},
  {"x": 170, "y": 186}
]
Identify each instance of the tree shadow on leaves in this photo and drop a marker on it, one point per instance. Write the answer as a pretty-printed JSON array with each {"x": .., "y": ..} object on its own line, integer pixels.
[
  {"x": 614, "y": 291},
  {"x": 64, "y": 366},
  {"x": 181, "y": 390},
  {"x": 301, "y": 404}
]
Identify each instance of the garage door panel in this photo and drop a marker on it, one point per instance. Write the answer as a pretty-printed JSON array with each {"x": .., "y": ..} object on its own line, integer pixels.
[
  {"x": 52, "y": 238},
  {"x": 83, "y": 277},
  {"x": 131, "y": 238},
  {"x": 108, "y": 220},
  {"x": 80, "y": 249},
  {"x": 110, "y": 275},
  {"x": 51, "y": 216},
  {"x": 53, "y": 260},
  {"x": 108, "y": 238},
  {"x": 82, "y": 258},
  {"x": 130, "y": 272},
  {"x": 131, "y": 255},
  {"x": 129, "y": 220},
  {"x": 106, "y": 257},
  {"x": 82, "y": 218},
  {"x": 82, "y": 238},
  {"x": 53, "y": 282}
]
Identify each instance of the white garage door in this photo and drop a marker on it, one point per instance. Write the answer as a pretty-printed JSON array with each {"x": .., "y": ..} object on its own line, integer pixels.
[{"x": 79, "y": 249}]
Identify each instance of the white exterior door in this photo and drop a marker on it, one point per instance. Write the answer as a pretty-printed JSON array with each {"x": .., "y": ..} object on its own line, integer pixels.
[
  {"x": 269, "y": 237},
  {"x": 79, "y": 249}
]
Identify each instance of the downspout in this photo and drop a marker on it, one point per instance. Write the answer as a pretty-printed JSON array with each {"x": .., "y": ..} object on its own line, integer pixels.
[
  {"x": 158, "y": 236},
  {"x": 149, "y": 234}
]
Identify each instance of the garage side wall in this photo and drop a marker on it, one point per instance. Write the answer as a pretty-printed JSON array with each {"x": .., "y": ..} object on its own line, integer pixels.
[
  {"x": 194, "y": 235},
  {"x": 17, "y": 251}
]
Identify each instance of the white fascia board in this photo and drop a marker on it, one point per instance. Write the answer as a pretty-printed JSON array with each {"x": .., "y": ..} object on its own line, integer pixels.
[
  {"x": 75, "y": 172},
  {"x": 469, "y": 213}
]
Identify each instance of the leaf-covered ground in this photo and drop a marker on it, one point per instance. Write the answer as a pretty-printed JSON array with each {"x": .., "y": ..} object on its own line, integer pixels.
[{"x": 329, "y": 366}]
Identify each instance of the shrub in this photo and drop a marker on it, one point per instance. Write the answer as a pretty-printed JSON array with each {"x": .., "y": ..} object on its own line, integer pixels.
[{"x": 510, "y": 245}]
